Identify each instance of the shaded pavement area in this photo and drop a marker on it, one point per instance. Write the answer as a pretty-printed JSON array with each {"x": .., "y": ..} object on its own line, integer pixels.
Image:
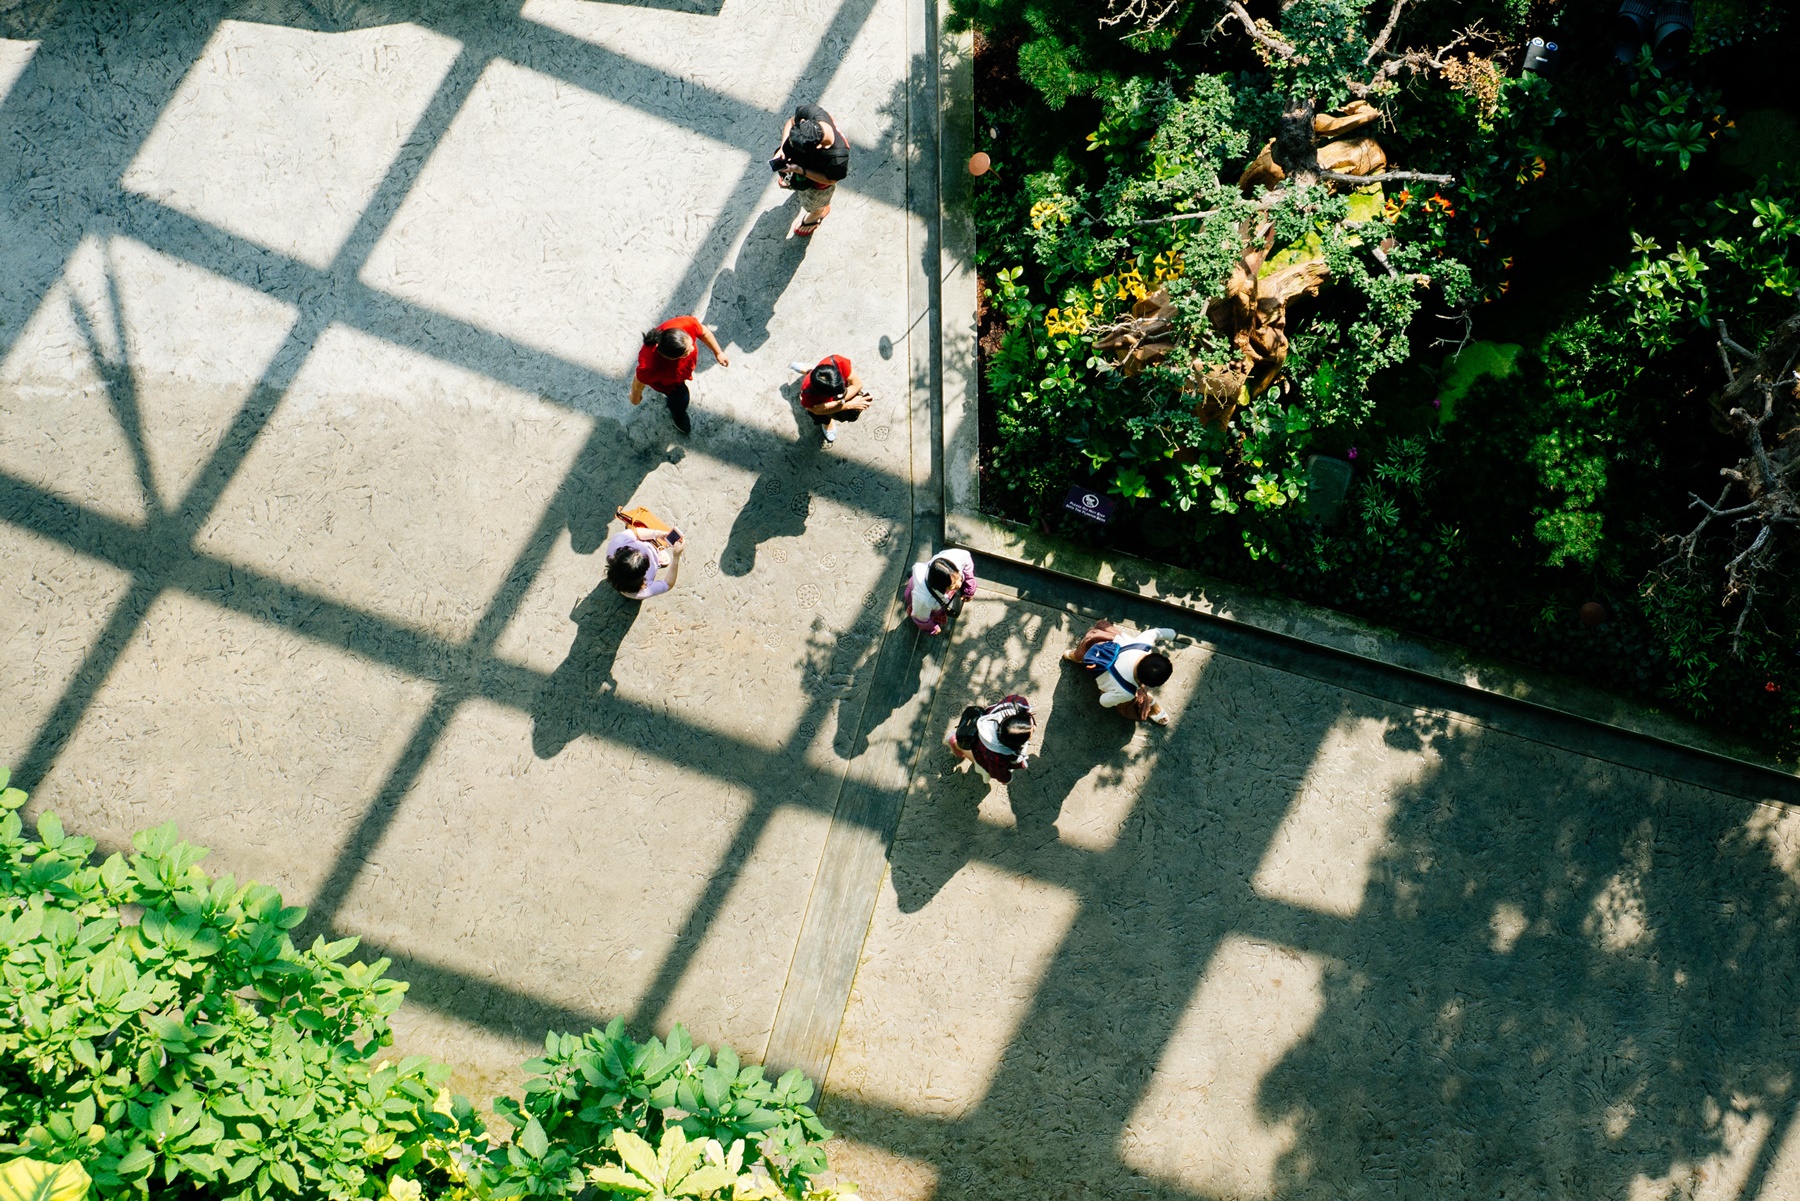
[{"x": 315, "y": 326}]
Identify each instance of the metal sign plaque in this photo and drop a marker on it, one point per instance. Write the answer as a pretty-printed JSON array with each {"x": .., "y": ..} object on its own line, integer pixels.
[{"x": 1090, "y": 504}]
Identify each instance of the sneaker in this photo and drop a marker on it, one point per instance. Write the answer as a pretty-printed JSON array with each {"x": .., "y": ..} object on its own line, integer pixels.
[
  {"x": 681, "y": 419},
  {"x": 830, "y": 433},
  {"x": 802, "y": 368}
]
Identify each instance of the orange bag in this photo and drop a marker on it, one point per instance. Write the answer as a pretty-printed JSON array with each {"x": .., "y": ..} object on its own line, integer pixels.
[{"x": 646, "y": 526}]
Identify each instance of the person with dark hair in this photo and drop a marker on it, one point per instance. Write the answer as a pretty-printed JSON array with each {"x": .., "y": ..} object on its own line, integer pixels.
[
  {"x": 641, "y": 562},
  {"x": 1126, "y": 666},
  {"x": 831, "y": 393},
  {"x": 666, "y": 363},
  {"x": 934, "y": 591},
  {"x": 814, "y": 155},
  {"x": 995, "y": 737}
]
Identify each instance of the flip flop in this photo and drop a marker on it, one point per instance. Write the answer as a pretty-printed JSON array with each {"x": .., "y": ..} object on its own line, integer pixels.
[
  {"x": 1674, "y": 30},
  {"x": 1632, "y": 28},
  {"x": 803, "y": 229}
]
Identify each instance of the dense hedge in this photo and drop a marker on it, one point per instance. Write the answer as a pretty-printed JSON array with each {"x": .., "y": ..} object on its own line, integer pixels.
[{"x": 165, "y": 1033}]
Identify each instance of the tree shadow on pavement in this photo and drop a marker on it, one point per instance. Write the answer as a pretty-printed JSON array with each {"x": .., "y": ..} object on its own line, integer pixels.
[
  {"x": 1076, "y": 740},
  {"x": 564, "y": 707},
  {"x": 744, "y": 295},
  {"x": 1560, "y": 978}
]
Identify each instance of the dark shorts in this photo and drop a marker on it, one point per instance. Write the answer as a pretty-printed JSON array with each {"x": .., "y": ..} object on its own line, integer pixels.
[
  {"x": 676, "y": 397},
  {"x": 845, "y": 415}
]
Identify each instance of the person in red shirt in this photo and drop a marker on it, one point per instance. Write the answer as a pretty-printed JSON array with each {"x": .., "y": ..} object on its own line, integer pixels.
[
  {"x": 666, "y": 363},
  {"x": 832, "y": 393}
]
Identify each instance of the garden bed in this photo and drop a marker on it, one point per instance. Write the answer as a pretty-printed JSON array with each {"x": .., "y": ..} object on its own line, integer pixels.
[{"x": 1522, "y": 459}]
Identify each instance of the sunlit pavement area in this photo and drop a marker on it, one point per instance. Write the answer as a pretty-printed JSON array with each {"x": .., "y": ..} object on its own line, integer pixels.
[{"x": 316, "y": 322}]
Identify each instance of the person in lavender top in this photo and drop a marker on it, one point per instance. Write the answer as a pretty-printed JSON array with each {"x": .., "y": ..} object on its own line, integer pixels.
[
  {"x": 632, "y": 567},
  {"x": 934, "y": 591}
]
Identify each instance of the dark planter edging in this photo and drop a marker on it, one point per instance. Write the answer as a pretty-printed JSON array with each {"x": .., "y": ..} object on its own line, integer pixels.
[{"x": 967, "y": 526}]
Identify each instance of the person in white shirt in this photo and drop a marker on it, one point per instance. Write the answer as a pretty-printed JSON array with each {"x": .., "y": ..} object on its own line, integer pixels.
[
  {"x": 1126, "y": 666},
  {"x": 934, "y": 591}
]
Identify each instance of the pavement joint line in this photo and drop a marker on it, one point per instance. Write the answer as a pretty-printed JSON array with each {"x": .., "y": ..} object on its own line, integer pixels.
[{"x": 873, "y": 791}]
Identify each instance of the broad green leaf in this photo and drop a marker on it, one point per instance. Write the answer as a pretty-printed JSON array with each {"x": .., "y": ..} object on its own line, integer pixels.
[
  {"x": 533, "y": 1141},
  {"x": 710, "y": 1179},
  {"x": 618, "y": 1180},
  {"x": 35, "y": 1180},
  {"x": 637, "y": 1155}
]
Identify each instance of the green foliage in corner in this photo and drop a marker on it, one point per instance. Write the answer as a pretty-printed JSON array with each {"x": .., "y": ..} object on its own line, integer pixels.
[{"x": 167, "y": 1038}]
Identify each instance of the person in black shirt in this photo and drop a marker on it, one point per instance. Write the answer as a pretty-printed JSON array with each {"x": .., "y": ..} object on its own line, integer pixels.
[{"x": 814, "y": 155}]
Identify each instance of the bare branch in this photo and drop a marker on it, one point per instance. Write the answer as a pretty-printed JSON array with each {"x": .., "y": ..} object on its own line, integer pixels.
[
  {"x": 1145, "y": 14},
  {"x": 1177, "y": 217},
  {"x": 1766, "y": 477},
  {"x": 1384, "y": 177},
  {"x": 1258, "y": 33},
  {"x": 1379, "y": 45},
  {"x": 1725, "y": 340},
  {"x": 1414, "y": 61}
]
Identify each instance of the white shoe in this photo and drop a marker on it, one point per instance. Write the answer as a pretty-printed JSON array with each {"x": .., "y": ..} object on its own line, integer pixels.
[
  {"x": 830, "y": 434},
  {"x": 802, "y": 368}
]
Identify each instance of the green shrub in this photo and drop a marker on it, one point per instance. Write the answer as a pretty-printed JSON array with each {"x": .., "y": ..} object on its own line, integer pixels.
[{"x": 168, "y": 1036}]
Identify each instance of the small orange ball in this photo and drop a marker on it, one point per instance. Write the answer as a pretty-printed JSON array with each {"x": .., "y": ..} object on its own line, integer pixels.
[
  {"x": 1592, "y": 614},
  {"x": 979, "y": 162}
]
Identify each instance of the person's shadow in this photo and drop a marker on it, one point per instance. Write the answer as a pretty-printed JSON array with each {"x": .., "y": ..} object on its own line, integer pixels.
[
  {"x": 744, "y": 294},
  {"x": 565, "y": 705},
  {"x": 778, "y": 507},
  {"x": 939, "y": 839}
]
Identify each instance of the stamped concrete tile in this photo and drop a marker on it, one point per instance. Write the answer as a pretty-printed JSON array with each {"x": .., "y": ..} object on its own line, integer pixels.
[
  {"x": 938, "y": 997},
  {"x": 396, "y": 484},
  {"x": 573, "y": 197},
  {"x": 261, "y": 743},
  {"x": 1199, "y": 1126},
  {"x": 602, "y": 852},
  {"x": 15, "y": 56},
  {"x": 135, "y": 360},
  {"x": 1336, "y": 828},
  {"x": 281, "y": 135},
  {"x": 53, "y": 605}
]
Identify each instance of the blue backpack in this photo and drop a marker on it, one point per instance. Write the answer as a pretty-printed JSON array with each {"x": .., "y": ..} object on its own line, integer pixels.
[{"x": 1104, "y": 656}]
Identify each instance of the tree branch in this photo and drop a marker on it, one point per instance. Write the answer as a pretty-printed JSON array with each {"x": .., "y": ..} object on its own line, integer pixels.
[
  {"x": 1274, "y": 45},
  {"x": 1379, "y": 45},
  {"x": 1384, "y": 177},
  {"x": 1176, "y": 217}
]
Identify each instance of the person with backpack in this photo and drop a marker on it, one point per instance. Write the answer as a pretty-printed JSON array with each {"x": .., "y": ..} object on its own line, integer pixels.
[
  {"x": 831, "y": 392},
  {"x": 1126, "y": 666},
  {"x": 814, "y": 155},
  {"x": 994, "y": 737},
  {"x": 934, "y": 591},
  {"x": 666, "y": 363},
  {"x": 643, "y": 560}
]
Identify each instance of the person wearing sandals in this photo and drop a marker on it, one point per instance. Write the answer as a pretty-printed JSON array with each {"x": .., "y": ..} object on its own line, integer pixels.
[
  {"x": 643, "y": 560},
  {"x": 832, "y": 393},
  {"x": 1126, "y": 666},
  {"x": 666, "y": 363},
  {"x": 994, "y": 737},
  {"x": 814, "y": 155},
  {"x": 934, "y": 591}
]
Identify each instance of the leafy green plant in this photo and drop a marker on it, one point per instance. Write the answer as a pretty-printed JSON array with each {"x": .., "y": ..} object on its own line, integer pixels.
[
  {"x": 26, "y": 1179},
  {"x": 167, "y": 1037}
]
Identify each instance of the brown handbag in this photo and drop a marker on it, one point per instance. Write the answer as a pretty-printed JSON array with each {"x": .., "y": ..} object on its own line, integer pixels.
[{"x": 646, "y": 526}]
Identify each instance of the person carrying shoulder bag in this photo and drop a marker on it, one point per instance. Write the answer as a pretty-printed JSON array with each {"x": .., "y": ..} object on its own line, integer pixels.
[
  {"x": 643, "y": 560},
  {"x": 935, "y": 591}
]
